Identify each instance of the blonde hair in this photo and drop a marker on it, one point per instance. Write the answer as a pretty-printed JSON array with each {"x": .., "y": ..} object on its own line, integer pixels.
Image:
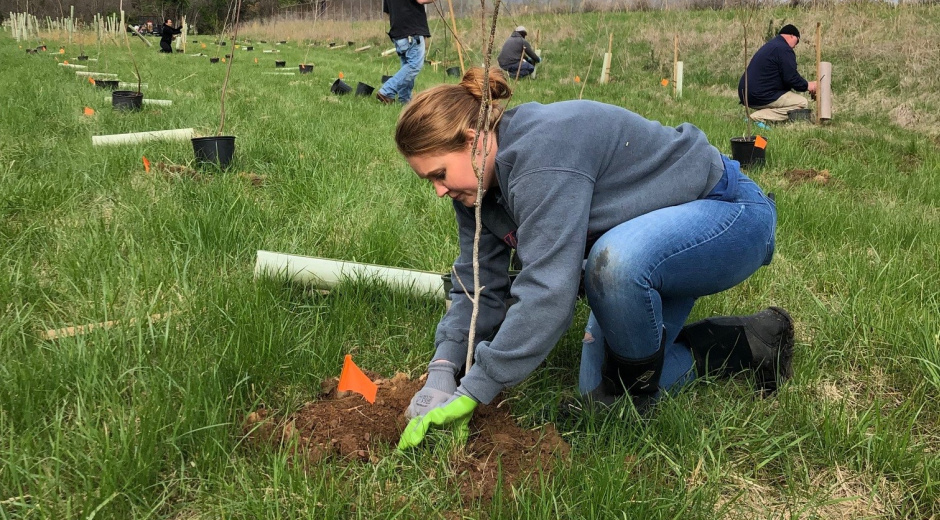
[{"x": 437, "y": 120}]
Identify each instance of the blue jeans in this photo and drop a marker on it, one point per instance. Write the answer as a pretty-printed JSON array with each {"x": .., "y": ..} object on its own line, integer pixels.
[
  {"x": 411, "y": 53},
  {"x": 523, "y": 69},
  {"x": 643, "y": 277}
]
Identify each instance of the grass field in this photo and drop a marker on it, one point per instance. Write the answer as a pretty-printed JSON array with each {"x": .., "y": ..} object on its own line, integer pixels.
[{"x": 144, "y": 419}]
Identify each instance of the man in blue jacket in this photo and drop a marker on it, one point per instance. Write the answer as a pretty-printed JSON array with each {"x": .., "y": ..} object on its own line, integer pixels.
[{"x": 772, "y": 75}]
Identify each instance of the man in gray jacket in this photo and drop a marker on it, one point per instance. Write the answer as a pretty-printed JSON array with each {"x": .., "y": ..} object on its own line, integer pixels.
[{"x": 517, "y": 56}]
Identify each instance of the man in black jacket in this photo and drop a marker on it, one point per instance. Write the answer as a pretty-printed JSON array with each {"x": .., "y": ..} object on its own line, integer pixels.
[
  {"x": 166, "y": 36},
  {"x": 517, "y": 57},
  {"x": 771, "y": 75}
]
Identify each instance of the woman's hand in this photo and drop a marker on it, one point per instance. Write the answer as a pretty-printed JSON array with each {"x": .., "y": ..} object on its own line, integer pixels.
[
  {"x": 455, "y": 413},
  {"x": 440, "y": 387}
]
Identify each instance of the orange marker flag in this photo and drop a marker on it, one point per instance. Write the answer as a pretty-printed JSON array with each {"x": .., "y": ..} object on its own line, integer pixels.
[
  {"x": 61, "y": 51},
  {"x": 352, "y": 379},
  {"x": 760, "y": 142},
  {"x": 664, "y": 82},
  {"x": 146, "y": 164},
  {"x": 65, "y": 62},
  {"x": 223, "y": 60},
  {"x": 340, "y": 74},
  {"x": 203, "y": 45},
  {"x": 89, "y": 111},
  {"x": 256, "y": 60},
  {"x": 577, "y": 79},
  {"x": 91, "y": 80}
]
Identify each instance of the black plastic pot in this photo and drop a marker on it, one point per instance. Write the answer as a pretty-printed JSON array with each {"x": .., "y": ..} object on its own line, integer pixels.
[
  {"x": 228, "y": 56},
  {"x": 800, "y": 114},
  {"x": 454, "y": 71},
  {"x": 109, "y": 84},
  {"x": 249, "y": 48},
  {"x": 217, "y": 151},
  {"x": 126, "y": 100},
  {"x": 339, "y": 87},
  {"x": 31, "y": 51},
  {"x": 213, "y": 60},
  {"x": 744, "y": 151},
  {"x": 385, "y": 78},
  {"x": 283, "y": 41},
  {"x": 223, "y": 44},
  {"x": 263, "y": 41},
  {"x": 364, "y": 90},
  {"x": 332, "y": 44},
  {"x": 305, "y": 69},
  {"x": 279, "y": 64},
  {"x": 350, "y": 44},
  {"x": 82, "y": 58}
]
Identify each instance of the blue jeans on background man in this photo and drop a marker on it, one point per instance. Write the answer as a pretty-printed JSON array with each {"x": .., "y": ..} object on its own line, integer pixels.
[
  {"x": 523, "y": 69},
  {"x": 643, "y": 277},
  {"x": 411, "y": 52}
]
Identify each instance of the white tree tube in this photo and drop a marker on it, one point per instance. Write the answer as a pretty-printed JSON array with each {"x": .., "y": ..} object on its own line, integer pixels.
[
  {"x": 324, "y": 273},
  {"x": 824, "y": 90},
  {"x": 125, "y": 84},
  {"x": 73, "y": 66},
  {"x": 679, "y": 68},
  {"x": 157, "y": 102},
  {"x": 96, "y": 75},
  {"x": 142, "y": 137}
]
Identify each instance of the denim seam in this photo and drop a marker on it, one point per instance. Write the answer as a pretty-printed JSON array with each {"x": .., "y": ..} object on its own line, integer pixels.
[{"x": 649, "y": 288}]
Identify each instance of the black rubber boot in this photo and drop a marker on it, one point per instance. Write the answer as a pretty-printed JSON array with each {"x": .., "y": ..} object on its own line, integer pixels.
[{"x": 762, "y": 342}]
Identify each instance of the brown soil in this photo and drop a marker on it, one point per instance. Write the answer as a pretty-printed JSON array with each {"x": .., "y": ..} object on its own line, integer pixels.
[
  {"x": 797, "y": 176},
  {"x": 344, "y": 427}
]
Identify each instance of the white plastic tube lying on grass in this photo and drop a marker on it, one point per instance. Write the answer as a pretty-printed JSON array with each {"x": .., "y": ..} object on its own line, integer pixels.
[
  {"x": 73, "y": 66},
  {"x": 158, "y": 102},
  {"x": 324, "y": 273},
  {"x": 142, "y": 137},
  {"x": 96, "y": 75},
  {"x": 133, "y": 85}
]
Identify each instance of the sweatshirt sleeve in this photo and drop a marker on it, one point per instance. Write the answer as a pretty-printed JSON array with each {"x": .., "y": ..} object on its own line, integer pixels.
[
  {"x": 552, "y": 209},
  {"x": 789, "y": 74},
  {"x": 532, "y": 56},
  {"x": 454, "y": 328}
]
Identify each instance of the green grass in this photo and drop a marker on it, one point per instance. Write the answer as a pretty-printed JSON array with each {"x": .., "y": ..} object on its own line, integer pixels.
[{"x": 144, "y": 419}]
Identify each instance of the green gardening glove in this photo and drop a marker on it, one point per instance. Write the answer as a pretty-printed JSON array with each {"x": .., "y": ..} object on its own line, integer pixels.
[{"x": 455, "y": 413}]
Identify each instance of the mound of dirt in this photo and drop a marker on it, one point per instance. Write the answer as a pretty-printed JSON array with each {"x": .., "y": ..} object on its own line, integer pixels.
[
  {"x": 343, "y": 427},
  {"x": 797, "y": 176}
]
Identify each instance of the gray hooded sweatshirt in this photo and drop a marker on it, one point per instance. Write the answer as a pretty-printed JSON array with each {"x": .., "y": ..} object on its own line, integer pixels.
[{"x": 567, "y": 171}]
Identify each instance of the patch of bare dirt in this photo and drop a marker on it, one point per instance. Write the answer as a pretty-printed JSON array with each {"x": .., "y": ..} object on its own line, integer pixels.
[
  {"x": 343, "y": 427},
  {"x": 798, "y": 176}
]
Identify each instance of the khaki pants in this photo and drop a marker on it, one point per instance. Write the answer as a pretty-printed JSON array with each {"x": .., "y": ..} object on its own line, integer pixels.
[{"x": 777, "y": 111}]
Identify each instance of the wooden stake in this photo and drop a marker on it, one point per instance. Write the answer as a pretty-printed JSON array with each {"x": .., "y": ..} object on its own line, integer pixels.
[
  {"x": 453, "y": 22},
  {"x": 818, "y": 61}
]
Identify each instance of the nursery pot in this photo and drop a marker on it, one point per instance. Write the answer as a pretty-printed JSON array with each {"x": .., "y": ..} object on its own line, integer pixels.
[
  {"x": 364, "y": 90},
  {"x": 249, "y": 48},
  {"x": 279, "y": 64},
  {"x": 744, "y": 151},
  {"x": 339, "y": 87},
  {"x": 213, "y": 60},
  {"x": 216, "y": 150},
  {"x": 350, "y": 44},
  {"x": 82, "y": 58},
  {"x": 109, "y": 84},
  {"x": 800, "y": 114},
  {"x": 454, "y": 71},
  {"x": 305, "y": 69},
  {"x": 283, "y": 41},
  {"x": 228, "y": 56},
  {"x": 385, "y": 78},
  {"x": 126, "y": 100}
]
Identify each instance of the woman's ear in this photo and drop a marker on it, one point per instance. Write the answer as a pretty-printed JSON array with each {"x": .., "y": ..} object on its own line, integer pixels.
[{"x": 470, "y": 133}]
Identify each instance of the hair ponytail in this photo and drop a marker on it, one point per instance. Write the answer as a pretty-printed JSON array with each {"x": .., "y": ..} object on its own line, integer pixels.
[{"x": 437, "y": 120}]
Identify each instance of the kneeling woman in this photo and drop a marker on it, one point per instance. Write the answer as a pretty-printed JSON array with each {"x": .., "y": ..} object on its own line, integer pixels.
[{"x": 661, "y": 217}]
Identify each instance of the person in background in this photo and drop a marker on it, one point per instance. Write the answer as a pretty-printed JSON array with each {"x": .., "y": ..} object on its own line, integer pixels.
[
  {"x": 771, "y": 75},
  {"x": 166, "y": 36},
  {"x": 654, "y": 217},
  {"x": 517, "y": 57},
  {"x": 408, "y": 30}
]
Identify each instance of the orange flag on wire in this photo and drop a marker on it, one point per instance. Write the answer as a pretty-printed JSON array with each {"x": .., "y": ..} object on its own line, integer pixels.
[
  {"x": 352, "y": 379},
  {"x": 664, "y": 82},
  {"x": 340, "y": 74},
  {"x": 89, "y": 111},
  {"x": 65, "y": 62},
  {"x": 146, "y": 164},
  {"x": 91, "y": 80},
  {"x": 577, "y": 79},
  {"x": 256, "y": 60},
  {"x": 760, "y": 142}
]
